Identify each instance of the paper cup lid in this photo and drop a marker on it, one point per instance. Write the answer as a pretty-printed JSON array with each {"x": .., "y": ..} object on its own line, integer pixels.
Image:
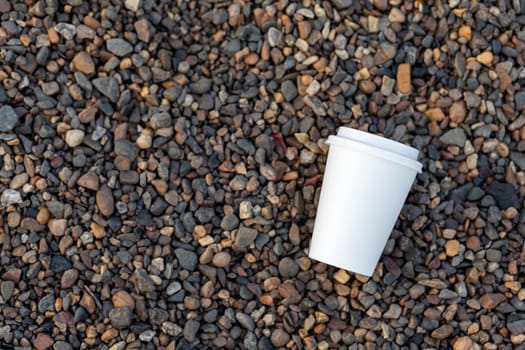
[
  {"x": 376, "y": 152},
  {"x": 378, "y": 141}
]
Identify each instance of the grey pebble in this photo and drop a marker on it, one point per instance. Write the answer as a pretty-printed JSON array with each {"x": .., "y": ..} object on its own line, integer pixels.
[
  {"x": 108, "y": 86},
  {"x": 119, "y": 47},
  {"x": 456, "y": 137},
  {"x": 288, "y": 267},
  {"x": 144, "y": 282},
  {"x": 201, "y": 86},
  {"x": 229, "y": 222},
  {"x": 121, "y": 317},
  {"x": 187, "y": 259},
  {"x": 190, "y": 330},
  {"x": 245, "y": 237},
  {"x": 8, "y": 118},
  {"x": 289, "y": 90},
  {"x": 126, "y": 149}
]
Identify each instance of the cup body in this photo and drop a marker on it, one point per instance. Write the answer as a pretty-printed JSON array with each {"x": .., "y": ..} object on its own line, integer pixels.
[{"x": 363, "y": 191}]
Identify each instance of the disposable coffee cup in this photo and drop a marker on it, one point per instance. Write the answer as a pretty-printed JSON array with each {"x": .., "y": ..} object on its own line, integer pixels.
[{"x": 365, "y": 184}]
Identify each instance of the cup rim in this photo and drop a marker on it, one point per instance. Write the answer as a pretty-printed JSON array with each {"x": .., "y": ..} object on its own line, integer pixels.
[
  {"x": 376, "y": 152},
  {"x": 378, "y": 141}
]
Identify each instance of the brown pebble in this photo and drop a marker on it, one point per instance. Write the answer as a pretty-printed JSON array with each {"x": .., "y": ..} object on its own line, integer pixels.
[
  {"x": 457, "y": 112},
  {"x": 105, "y": 201},
  {"x": 57, "y": 226},
  {"x": 88, "y": 303},
  {"x": 69, "y": 278},
  {"x": 404, "y": 84},
  {"x": 109, "y": 334},
  {"x": 98, "y": 231},
  {"x": 123, "y": 299},
  {"x": 435, "y": 114},
  {"x": 43, "y": 216},
  {"x": 89, "y": 181},
  {"x": 84, "y": 63},
  {"x": 463, "y": 343},
  {"x": 452, "y": 247},
  {"x": 367, "y": 86},
  {"x": 491, "y": 300},
  {"x": 251, "y": 59},
  {"x": 31, "y": 225},
  {"x": 43, "y": 341},
  {"x": 221, "y": 259}
]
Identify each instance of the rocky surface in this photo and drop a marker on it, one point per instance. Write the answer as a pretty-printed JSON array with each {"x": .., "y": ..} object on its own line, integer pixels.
[{"x": 160, "y": 166}]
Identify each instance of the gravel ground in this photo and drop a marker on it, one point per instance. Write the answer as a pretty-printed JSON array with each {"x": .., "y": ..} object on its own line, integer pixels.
[{"x": 160, "y": 164}]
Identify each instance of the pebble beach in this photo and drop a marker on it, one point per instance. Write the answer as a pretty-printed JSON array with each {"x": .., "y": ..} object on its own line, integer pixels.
[{"x": 161, "y": 164}]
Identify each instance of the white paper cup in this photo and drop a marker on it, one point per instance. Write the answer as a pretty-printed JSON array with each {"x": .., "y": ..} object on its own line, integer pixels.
[{"x": 364, "y": 188}]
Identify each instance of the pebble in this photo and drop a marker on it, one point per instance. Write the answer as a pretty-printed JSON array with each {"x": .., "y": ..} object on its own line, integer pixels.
[
  {"x": 229, "y": 222},
  {"x": 43, "y": 341},
  {"x": 190, "y": 330},
  {"x": 485, "y": 58},
  {"x": 245, "y": 237},
  {"x": 6, "y": 289},
  {"x": 119, "y": 47},
  {"x": 69, "y": 278},
  {"x": 144, "y": 283},
  {"x": 516, "y": 327},
  {"x": 452, "y": 247},
  {"x": 342, "y": 4},
  {"x": 147, "y": 336},
  {"x": 491, "y": 300},
  {"x": 201, "y": 86},
  {"x": 67, "y": 30},
  {"x": 144, "y": 30},
  {"x": 108, "y": 86},
  {"x": 105, "y": 201},
  {"x": 83, "y": 62},
  {"x": 404, "y": 78},
  {"x": 457, "y": 112},
  {"x": 123, "y": 299},
  {"x": 57, "y": 227},
  {"x": 74, "y": 138},
  {"x": 455, "y": 137},
  {"x": 221, "y": 259},
  {"x": 121, "y": 317},
  {"x": 9, "y": 197},
  {"x": 288, "y": 267},
  {"x": 341, "y": 276},
  {"x": 504, "y": 194},
  {"x": 442, "y": 332},
  {"x": 187, "y": 259},
  {"x": 279, "y": 337},
  {"x": 89, "y": 180},
  {"x": 519, "y": 159},
  {"x": 8, "y": 118},
  {"x": 132, "y": 5},
  {"x": 288, "y": 90}
]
